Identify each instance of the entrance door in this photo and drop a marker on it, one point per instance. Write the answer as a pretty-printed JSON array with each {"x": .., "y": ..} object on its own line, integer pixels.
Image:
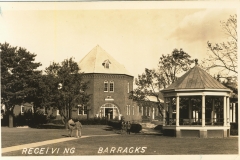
[{"x": 109, "y": 111}]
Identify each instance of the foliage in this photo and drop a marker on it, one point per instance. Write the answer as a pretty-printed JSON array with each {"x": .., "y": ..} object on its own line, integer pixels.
[
  {"x": 19, "y": 76},
  {"x": 30, "y": 119},
  {"x": 66, "y": 89},
  {"x": 92, "y": 121},
  {"x": 136, "y": 128},
  {"x": 224, "y": 55},
  {"x": 151, "y": 82}
]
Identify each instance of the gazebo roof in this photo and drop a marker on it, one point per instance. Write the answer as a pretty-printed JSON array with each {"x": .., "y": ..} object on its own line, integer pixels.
[
  {"x": 95, "y": 60},
  {"x": 196, "y": 78}
]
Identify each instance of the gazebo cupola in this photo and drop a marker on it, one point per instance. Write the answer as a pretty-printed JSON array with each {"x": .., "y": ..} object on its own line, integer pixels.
[{"x": 197, "y": 105}]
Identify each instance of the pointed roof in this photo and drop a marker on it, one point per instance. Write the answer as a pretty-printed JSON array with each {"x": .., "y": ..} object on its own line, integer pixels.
[
  {"x": 99, "y": 61},
  {"x": 196, "y": 78}
]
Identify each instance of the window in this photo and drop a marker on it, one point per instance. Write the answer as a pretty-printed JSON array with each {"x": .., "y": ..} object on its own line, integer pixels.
[
  {"x": 111, "y": 88},
  {"x": 22, "y": 109},
  {"x": 142, "y": 110},
  {"x": 106, "y": 64},
  {"x": 128, "y": 88},
  {"x": 82, "y": 110},
  {"x": 45, "y": 110},
  {"x": 133, "y": 111},
  {"x": 105, "y": 86},
  {"x": 128, "y": 109},
  {"x": 57, "y": 112}
]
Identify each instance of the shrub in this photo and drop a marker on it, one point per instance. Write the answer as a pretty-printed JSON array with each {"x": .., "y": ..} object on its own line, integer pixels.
[
  {"x": 159, "y": 128},
  {"x": 115, "y": 124},
  {"x": 136, "y": 128},
  {"x": 92, "y": 121}
]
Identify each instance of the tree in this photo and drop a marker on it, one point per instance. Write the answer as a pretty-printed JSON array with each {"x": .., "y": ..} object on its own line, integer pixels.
[
  {"x": 152, "y": 81},
  {"x": 224, "y": 55},
  {"x": 67, "y": 86},
  {"x": 18, "y": 77}
]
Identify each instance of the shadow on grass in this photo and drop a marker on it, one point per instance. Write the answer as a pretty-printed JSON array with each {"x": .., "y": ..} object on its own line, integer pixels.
[
  {"x": 108, "y": 128},
  {"x": 51, "y": 126}
]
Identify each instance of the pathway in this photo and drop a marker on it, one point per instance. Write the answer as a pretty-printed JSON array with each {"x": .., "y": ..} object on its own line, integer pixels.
[{"x": 37, "y": 144}]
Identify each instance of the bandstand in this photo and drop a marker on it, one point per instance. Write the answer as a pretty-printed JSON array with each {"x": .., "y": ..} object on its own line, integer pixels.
[{"x": 196, "y": 105}]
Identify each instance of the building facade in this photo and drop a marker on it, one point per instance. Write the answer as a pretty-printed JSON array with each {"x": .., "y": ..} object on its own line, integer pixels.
[{"x": 110, "y": 85}]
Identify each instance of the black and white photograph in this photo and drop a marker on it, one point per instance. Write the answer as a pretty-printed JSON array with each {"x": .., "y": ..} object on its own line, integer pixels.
[{"x": 119, "y": 80}]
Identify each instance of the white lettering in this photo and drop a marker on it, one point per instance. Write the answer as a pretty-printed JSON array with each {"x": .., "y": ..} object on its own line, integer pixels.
[
  {"x": 131, "y": 149},
  {"x": 112, "y": 149},
  {"x": 119, "y": 149},
  {"x": 106, "y": 150},
  {"x": 143, "y": 149},
  {"x": 30, "y": 150},
  {"x": 36, "y": 150},
  {"x": 24, "y": 151},
  {"x": 41, "y": 151},
  {"x": 100, "y": 150}
]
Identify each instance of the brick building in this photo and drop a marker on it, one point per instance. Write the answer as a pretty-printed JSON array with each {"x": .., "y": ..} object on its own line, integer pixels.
[{"x": 110, "y": 85}]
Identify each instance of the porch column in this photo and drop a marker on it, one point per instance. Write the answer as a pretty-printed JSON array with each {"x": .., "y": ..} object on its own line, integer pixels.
[
  {"x": 203, "y": 110},
  {"x": 177, "y": 110},
  {"x": 228, "y": 124},
  {"x": 230, "y": 113},
  {"x": 164, "y": 111},
  {"x": 234, "y": 112},
  {"x": 224, "y": 111},
  {"x": 213, "y": 111},
  {"x": 153, "y": 113},
  {"x": 194, "y": 116},
  {"x": 170, "y": 109},
  {"x": 190, "y": 109}
]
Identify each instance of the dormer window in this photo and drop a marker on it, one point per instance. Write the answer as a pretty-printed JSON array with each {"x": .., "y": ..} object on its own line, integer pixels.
[{"x": 106, "y": 64}]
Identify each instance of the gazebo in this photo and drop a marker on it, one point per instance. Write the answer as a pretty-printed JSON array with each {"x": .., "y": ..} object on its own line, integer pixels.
[{"x": 196, "y": 105}]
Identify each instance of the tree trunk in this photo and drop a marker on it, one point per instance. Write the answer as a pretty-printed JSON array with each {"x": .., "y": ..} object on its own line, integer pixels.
[
  {"x": 66, "y": 123},
  {"x": 10, "y": 124}
]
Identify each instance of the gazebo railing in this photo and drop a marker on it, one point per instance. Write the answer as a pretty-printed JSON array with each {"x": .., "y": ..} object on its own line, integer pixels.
[{"x": 184, "y": 121}]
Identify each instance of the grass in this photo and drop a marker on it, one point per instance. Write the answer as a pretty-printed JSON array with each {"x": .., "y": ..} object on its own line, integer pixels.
[{"x": 96, "y": 145}]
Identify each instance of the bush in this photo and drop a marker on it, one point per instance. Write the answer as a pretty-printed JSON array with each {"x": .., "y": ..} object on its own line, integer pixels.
[
  {"x": 115, "y": 124},
  {"x": 92, "y": 121},
  {"x": 30, "y": 119},
  {"x": 233, "y": 128},
  {"x": 159, "y": 128},
  {"x": 5, "y": 120},
  {"x": 136, "y": 128}
]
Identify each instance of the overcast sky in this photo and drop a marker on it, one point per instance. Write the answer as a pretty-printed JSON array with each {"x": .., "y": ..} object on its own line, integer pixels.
[{"x": 135, "y": 37}]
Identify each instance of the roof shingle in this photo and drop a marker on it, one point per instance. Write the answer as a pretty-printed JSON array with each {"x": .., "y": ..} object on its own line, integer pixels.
[
  {"x": 94, "y": 62},
  {"x": 196, "y": 78}
]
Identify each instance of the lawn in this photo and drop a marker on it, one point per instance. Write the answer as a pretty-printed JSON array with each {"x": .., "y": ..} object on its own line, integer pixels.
[{"x": 134, "y": 144}]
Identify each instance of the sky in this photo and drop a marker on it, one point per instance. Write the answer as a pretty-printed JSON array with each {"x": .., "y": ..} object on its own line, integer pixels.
[{"x": 135, "y": 35}]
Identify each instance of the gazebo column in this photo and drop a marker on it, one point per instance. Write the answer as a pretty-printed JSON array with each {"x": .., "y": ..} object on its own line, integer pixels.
[
  {"x": 224, "y": 111},
  {"x": 177, "y": 110},
  {"x": 227, "y": 108},
  {"x": 213, "y": 112},
  {"x": 190, "y": 110},
  {"x": 164, "y": 111},
  {"x": 230, "y": 115},
  {"x": 178, "y": 132},
  {"x": 203, "y": 110},
  {"x": 170, "y": 110},
  {"x": 234, "y": 112},
  {"x": 203, "y": 131}
]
